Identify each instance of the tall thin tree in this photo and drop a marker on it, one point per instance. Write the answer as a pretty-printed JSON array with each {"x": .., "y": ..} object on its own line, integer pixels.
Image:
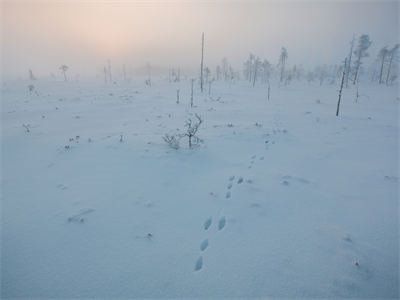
[
  {"x": 349, "y": 61},
  {"x": 392, "y": 52},
  {"x": 382, "y": 56},
  {"x": 341, "y": 87},
  {"x": 363, "y": 44},
  {"x": 202, "y": 60}
]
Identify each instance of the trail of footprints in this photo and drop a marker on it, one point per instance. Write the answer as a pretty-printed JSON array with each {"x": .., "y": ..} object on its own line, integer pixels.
[
  {"x": 204, "y": 244},
  {"x": 222, "y": 220}
]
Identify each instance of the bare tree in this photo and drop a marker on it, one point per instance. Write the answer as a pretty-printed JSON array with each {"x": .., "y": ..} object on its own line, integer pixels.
[
  {"x": 172, "y": 141},
  {"x": 105, "y": 75},
  {"x": 341, "y": 87},
  {"x": 392, "y": 54},
  {"x": 64, "y": 69},
  {"x": 191, "y": 93},
  {"x": 192, "y": 126},
  {"x": 148, "y": 80},
  {"x": 282, "y": 62},
  {"x": 124, "y": 71},
  {"x": 31, "y": 76},
  {"x": 177, "y": 96},
  {"x": 266, "y": 66},
  {"x": 382, "y": 57},
  {"x": 201, "y": 64},
  {"x": 348, "y": 67},
  {"x": 256, "y": 63},
  {"x": 363, "y": 44},
  {"x": 109, "y": 71}
]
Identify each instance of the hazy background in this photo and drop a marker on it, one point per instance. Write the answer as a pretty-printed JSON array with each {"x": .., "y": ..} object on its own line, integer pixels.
[{"x": 42, "y": 35}]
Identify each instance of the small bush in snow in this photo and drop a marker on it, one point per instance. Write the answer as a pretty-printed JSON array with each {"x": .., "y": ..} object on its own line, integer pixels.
[
  {"x": 26, "y": 127},
  {"x": 172, "y": 140}
]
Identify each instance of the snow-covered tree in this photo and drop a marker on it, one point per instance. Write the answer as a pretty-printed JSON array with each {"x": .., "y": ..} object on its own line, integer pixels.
[
  {"x": 64, "y": 69},
  {"x": 364, "y": 43},
  {"x": 392, "y": 53},
  {"x": 382, "y": 59},
  {"x": 282, "y": 61}
]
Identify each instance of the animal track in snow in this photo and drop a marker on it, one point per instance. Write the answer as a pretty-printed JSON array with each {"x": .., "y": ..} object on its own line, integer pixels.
[
  {"x": 207, "y": 223},
  {"x": 204, "y": 245},
  {"x": 231, "y": 178},
  {"x": 298, "y": 179},
  {"x": 228, "y": 195},
  {"x": 79, "y": 217},
  {"x": 199, "y": 264},
  {"x": 229, "y": 186},
  {"x": 240, "y": 180},
  {"x": 221, "y": 223},
  {"x": 61, "y": 186}
]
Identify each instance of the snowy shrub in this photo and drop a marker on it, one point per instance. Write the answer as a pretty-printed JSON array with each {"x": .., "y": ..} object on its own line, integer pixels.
[
  {"x": 26, "y": 127},
  {"x": 192, "y": 126},
  {"x": 172, "y": 140}
]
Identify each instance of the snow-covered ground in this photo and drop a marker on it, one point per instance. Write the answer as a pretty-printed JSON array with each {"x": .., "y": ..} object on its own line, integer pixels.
[{"x": 282, "y": 199}]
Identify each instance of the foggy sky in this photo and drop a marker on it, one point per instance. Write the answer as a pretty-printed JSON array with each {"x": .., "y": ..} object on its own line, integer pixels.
[{"x": 42, "y": 35}]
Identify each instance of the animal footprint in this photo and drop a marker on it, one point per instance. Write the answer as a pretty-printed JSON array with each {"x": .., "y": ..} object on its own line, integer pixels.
[
  {"x": 231, "y": 178},
  {"x": 207, "y": 223},
  {"x": 262, "y": 158},
  {"x": 240, "y": 180},
  {"x": 204, "y": 245},
  {"x": 221, "y": 223},
  {"x": 229, "y": 186},
  {"x": 228, "y": 195},
  {"x": 199, "y": 264},
  {"x": 61, "y": 186}
]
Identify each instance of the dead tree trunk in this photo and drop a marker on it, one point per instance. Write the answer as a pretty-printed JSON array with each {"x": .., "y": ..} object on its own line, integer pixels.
[
  {"x": 349, "y": 62},
  {"x": 255, "y": 71},
  {"x": 177, "y": 96},
  {"x": 201, "y": 64},
  {"x": 191, "y": 93},
  {"x": 109, "y": 71},
  {"x": 124, "y": 71},
  {"x": 392, "y": 54},
  {"x": 341, "y": 87},
  {"x": 382, "y": 65}
]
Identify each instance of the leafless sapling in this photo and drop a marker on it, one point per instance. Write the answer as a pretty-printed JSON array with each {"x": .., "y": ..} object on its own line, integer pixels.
[
  {"x": 177, "y": 96},
  {"x": 26, "y": 127},
  {"x": 172, "y": 141},
  {"x": 341, "y": 87},
  {"x": 192, "y": 126}
]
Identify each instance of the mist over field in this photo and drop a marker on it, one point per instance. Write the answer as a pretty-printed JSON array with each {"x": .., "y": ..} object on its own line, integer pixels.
[
  {"x": 41, "y": 35},
  {"x": 199, "y": 149}
]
